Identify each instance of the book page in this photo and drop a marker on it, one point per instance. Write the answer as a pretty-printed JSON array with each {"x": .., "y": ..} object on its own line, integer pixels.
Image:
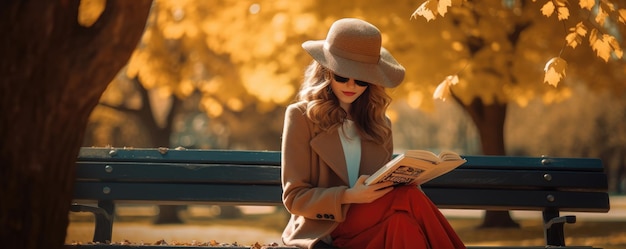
[
  {"x": 423, "y": 154},
  {"x": 449, "y": 156},
  {"x": 416, "y": 166}
]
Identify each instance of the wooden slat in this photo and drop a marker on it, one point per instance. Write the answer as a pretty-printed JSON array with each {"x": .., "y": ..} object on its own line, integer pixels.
[
  {"x": 518, "y": 162},
  {"x": 267, "y": 174},
  {"x": 176, "y": 192},
  {"x": 178, "y": 173},
  {"x": 504, "y": 199},
  {"x": 273, "y": 158},
  {"x": 522, "y": 179},
  {"x": 497, "y": 199},
  {"x": 184, "y": 156}
]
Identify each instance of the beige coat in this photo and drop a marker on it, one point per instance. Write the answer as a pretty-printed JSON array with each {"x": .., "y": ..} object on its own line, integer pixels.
[{"x": 315, "y": 177}]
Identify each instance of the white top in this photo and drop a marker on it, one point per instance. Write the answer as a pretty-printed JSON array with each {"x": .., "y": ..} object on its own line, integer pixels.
[{"x": 351, "y": 143}]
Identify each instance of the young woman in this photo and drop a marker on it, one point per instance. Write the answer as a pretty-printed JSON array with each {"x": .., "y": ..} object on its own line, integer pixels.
[{"x": 337, "y": 134}]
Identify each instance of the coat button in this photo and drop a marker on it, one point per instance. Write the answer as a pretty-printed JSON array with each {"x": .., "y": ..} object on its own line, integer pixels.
[
  {"x": 326, "y": 216},
  {"x": 319, "y": 216},
  {"x": 332, "y": 217}
]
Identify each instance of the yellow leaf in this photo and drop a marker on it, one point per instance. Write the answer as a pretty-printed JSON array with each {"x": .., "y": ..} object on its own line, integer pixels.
[
  {"x": 622, "y": 16},
  {"x": 593, "y": 36},
  {"x": 554, "y": 71},
  {"x": 607, "y": 6},
  {"x": 443, "y": 89},
  {"x": 574, "y": 38},
  {"x": 602, "y": 47},
  {"x": 442, "y": 7},
  {"x": 547, "y": 9},
  {"x": 563, "y": 13},
  {"x": 453, "y": 79},
  {"x": 427, "y": 10},
  {"x": 601, "y": 16},
  {"x": 617, "y": 50},
  {"x": 587, "y": 4},
  {"x": 89, "y": 11},
  {"x": 581, "y": 29}
]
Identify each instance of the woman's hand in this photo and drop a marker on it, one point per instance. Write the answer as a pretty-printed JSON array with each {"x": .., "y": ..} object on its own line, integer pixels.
[{"x": 361, "y": 193}]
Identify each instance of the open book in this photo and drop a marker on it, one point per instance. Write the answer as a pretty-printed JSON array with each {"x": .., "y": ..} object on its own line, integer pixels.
[{"x": 416, "y": 167}]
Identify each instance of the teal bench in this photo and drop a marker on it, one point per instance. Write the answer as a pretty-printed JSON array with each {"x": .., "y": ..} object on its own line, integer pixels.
[{"x": 108, "y": 176}]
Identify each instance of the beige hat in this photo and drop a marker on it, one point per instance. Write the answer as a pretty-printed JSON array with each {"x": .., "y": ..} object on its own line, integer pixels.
[{"x": 353, "y": 49}]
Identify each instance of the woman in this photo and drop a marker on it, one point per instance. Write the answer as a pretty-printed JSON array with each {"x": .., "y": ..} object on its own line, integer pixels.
[{"x": 337, "y": 134}]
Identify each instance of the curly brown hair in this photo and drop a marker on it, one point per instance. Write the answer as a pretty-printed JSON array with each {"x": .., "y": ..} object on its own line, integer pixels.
[{"x": 368, "y": 110}]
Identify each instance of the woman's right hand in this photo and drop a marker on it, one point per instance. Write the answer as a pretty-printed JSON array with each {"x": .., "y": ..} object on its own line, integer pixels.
[{"x": 361, "y": 193}]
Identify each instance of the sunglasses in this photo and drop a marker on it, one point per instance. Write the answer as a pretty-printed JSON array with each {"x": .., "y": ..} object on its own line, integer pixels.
[{"x": 344, "y": 80}]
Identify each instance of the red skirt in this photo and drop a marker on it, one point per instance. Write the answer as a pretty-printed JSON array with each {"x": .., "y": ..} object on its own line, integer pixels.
[{"x": 403, "y": 218}]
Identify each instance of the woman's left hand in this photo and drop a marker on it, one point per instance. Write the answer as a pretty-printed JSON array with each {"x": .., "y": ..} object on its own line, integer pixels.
[{"x": 361, "y": 193}]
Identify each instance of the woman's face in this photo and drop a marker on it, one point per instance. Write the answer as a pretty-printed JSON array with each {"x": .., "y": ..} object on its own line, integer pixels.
[{"x": 347, "y": 90}]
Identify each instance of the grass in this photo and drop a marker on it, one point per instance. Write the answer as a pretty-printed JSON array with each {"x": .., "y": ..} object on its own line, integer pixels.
[{"x": 266, "y": 228}]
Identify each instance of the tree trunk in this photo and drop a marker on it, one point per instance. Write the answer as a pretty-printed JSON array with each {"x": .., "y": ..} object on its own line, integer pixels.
[
  {"x": 489, "y": 120},
  {"x": 53, "y": 74},
  {"x": 159, "y": 137}
]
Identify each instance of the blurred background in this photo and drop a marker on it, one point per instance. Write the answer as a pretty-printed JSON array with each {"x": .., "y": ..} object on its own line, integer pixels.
[{"x": 219, "y": 74}]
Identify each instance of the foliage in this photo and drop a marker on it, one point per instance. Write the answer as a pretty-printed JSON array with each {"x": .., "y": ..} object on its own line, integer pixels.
[
  {"x": 603, "y": 20},
  {"x": 244, "y": 57}
]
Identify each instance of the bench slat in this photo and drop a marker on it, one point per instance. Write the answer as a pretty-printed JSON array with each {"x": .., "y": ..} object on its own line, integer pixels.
[
  {"x": 518, "y": 162},
  {"x": 522, "y": 179},
  {"x": 495, "y": 199},
  {"x": 165, "y": 172},
  {"x": 184, "y": 156},
  {"x": 267, "y": 174},
  {"x": 271, "y": 195},
  {"x": 273, "y": 158},
  {"x": 183, "y": 193}
]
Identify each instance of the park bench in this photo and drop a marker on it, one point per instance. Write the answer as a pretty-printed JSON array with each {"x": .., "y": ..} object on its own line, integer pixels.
[{"x": 108, "y": 176}]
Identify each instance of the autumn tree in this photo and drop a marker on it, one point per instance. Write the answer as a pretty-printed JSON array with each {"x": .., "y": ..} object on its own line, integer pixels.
[
  {"x": 245, "y": 58},
  {"x": 500, "y": 40},
  {"x": 57, "y": 59}
]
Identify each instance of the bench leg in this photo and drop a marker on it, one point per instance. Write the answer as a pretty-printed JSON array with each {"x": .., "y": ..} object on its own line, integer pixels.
[
  {"x": 553, "y": 227},
  {"x": 104, "y": 219},
  {"x": 104, "y": 223}
]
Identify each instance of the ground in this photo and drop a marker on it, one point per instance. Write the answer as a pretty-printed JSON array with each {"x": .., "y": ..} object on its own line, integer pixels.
[{"x": 263, "y": 225}]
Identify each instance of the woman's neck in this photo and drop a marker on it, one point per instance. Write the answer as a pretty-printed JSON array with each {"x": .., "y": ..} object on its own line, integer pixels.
[{"x": 345, "y": 107}]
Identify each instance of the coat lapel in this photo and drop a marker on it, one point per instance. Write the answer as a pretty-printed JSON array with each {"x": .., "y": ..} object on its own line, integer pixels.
[{"x": 328, "y": 146}]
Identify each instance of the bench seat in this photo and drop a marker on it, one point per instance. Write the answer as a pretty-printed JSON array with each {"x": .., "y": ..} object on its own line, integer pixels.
[{"x": 225, "y": 177}]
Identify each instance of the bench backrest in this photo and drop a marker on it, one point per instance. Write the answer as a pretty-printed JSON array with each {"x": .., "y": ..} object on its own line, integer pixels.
[{"x": 253, "y": 178}]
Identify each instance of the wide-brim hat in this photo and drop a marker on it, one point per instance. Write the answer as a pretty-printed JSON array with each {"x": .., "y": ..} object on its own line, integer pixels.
[{"x": 353, "y": 49}]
